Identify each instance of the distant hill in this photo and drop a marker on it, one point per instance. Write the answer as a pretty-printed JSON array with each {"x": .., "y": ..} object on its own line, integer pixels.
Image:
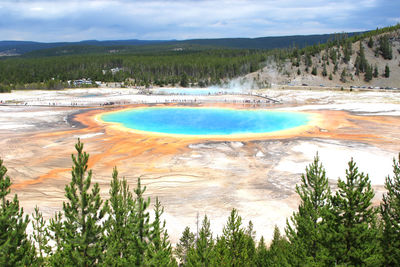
[
  {"x": 23, "y": 47},
  {"x": 299, "y": 41},
  {"x": 12, "y": 48}
]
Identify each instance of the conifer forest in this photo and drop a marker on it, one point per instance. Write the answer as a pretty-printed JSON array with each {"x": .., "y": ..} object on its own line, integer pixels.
[
  {"x": 337, "y": 227},
  {"x": 197, "y": 65}
]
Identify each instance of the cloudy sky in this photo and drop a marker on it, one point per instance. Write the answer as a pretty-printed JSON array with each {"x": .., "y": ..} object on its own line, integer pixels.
[{"x": 73, "y": 20}]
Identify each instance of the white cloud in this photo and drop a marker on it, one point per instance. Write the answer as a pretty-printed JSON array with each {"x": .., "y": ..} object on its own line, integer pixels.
[
  {"x": 394, "y": 20},
  {"x": 155, "y": 19}
]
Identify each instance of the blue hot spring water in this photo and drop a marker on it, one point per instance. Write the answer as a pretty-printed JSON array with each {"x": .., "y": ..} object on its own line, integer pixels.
[{"x": 206, "y": 121}]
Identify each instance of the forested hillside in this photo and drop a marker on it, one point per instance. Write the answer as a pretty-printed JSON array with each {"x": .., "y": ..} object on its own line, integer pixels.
[
  {"x": 163, "y": 68},
  {"x": 370, "y": 58},
  {"x": 328, "y": 229}
]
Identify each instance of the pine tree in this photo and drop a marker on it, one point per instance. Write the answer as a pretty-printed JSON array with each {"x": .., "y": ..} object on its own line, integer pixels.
[
  {"x": 250, "y": 244},
  {"x": 361, "y": 63},
  {"x": 370, "y": 42},
  {"x": 186, "y": 242},
  {"x": 128, "y": 225},
  {"x": 330, "y": 77},
  {"x": 56, "y": 232},
  {"x": 308, "y": 60},
  {"x": 385, "y": 48},
  {"x": 314, "y": 71},
  {"x": 298, "y": 60},
  {"x": 234, "y": 241},
  {"x": 142, "y": 225},
  {"x": 363, "y": 60},
  {"x": 159, "y": 249},
  {"x": 220, "y": 253},
  {"x": 202, "y": 253},
  {"x": 343, "y": 76},
  {"x": 333, "y": 55},
  {"x": 119, "y": 224},
  {"x": 262, "y": 256},
  {"x": 307, "y": 231},
  {"x": 279, "y": 250},
  {"x": 80, "y": 235},
  {"x": 357, "y": 65},
  {"x": 354, "y": 221},
  {"x": 15, "y": 247},
  {"x": 390, "y": 211},
  {"x": 368, "y": 73},
  {"x": 387, "y": 71},
  {"x": 376, "y": 73},
  {"x": 184, "y": 80},
  {"x": 41, "y": 237},
  {"x": 347, "y": 51},
  {"x": 324, "y": 71}
]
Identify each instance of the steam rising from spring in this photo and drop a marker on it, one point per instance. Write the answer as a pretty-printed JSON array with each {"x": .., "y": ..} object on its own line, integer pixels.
[{"x": 241, "y": 85}]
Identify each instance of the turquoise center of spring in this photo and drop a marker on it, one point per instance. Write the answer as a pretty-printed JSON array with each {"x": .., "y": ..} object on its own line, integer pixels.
[{"x": 206, "y": 121}]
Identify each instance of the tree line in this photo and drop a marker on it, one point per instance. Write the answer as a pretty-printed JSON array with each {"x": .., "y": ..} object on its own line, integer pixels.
[
  {"x": 160, "y": 68},
  {"x": 328, "y": 229},
  {"x": 199, "y": 66}
]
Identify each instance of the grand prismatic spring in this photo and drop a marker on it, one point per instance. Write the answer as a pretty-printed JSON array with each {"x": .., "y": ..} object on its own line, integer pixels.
[
  {"x": 206, "y": 121},
  {"x": 234, "y": 160}
]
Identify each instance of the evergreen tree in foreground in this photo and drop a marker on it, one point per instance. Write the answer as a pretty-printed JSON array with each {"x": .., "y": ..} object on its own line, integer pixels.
[
  {"x": 307, "y": 231},
  {"x": 355, "y": 222},
  {"x": 202, "y": 254},
  {"x": 390, "y": 211},
  {"x": 120, "y": 223},
  {"x": 279, "y": 250},
  {"x": 186, "y": 242},
  {"x": 142, "y": 225},
  {"x": 15, "y": 247},
  {"x": 249, "y": 236},
  {"x": 131, "y": 239},
  {"x": 77, "y": 229},
  {"x": 261, "y": 253},
  {"x": 233, "y": 240},
  {"x": 159, "y": 249},
  {"x": 41, "y": 237},
  {"x": 326, "y": 231}
]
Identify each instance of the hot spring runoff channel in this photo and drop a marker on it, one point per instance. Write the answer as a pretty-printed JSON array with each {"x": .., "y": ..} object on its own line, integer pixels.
[{"x": 206, "y": 121}]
